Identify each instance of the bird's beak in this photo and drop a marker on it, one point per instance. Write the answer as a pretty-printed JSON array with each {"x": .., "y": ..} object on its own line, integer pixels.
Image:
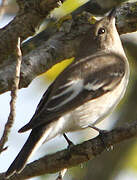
[{"x": 112, "y": 14}]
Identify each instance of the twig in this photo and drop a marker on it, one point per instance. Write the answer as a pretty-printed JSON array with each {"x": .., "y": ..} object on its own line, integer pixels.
[
  {"x": 14, "y": 90},
  {"x": 61, "y": 174},
  {"x": 2, "y": 9}
]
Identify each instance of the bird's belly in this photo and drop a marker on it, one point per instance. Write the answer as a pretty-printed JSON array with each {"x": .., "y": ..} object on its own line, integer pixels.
[{"x": 94, "y": 111}]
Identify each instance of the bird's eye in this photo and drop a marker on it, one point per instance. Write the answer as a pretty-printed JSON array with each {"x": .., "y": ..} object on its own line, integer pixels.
[{"x": 101, "y": 31}]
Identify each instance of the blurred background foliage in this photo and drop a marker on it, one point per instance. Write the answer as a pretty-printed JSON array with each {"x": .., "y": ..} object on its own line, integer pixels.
[{"x": 118, "y": 164}]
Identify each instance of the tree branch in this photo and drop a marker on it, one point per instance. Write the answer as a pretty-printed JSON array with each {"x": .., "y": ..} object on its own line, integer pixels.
[
  {"x": 30, "y": 16},
  {"x": 99, "y": 7},
  {"x": 77, "y": 154},
  {"x": 56, "y": 44}
]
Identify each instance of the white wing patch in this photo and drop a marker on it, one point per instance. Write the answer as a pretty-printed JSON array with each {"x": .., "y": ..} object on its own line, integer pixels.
[
  {"x": 94, "y": 85},
  {"x": 75, "y": 88},
  {"x": 64, "y": 92}
]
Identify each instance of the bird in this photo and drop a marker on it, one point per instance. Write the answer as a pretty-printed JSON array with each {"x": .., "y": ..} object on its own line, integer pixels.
[{"x": 85, "y": 93}]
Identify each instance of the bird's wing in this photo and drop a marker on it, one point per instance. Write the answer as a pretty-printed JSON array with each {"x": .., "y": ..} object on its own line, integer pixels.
[{"x": 82, "y": 81}]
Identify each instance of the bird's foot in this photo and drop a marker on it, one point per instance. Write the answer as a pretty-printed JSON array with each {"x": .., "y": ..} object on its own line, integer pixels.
[{"x": 102, "y": 134}]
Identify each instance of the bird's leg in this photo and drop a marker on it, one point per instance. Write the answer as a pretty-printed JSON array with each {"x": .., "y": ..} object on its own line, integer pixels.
[
  {"x": 102, "y": 134},
  {"x": 98, "y": 130},
  {"x": 70, "y": 143}
]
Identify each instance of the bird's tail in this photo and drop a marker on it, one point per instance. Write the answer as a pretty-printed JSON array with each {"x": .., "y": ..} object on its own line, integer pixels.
[{"x": 35, "y": 139}]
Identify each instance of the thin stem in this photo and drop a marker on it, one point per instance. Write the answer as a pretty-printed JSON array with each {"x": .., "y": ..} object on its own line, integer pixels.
[{"x": 14, "y": 90}]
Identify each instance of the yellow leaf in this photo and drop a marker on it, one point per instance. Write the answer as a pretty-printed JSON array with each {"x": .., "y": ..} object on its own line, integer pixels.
[
  {"x": 52, "y": 73},
  {"x": 67, "y": 7}
]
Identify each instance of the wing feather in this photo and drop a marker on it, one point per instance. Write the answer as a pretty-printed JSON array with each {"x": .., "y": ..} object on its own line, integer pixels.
[{"x": 82, "y": 81}]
